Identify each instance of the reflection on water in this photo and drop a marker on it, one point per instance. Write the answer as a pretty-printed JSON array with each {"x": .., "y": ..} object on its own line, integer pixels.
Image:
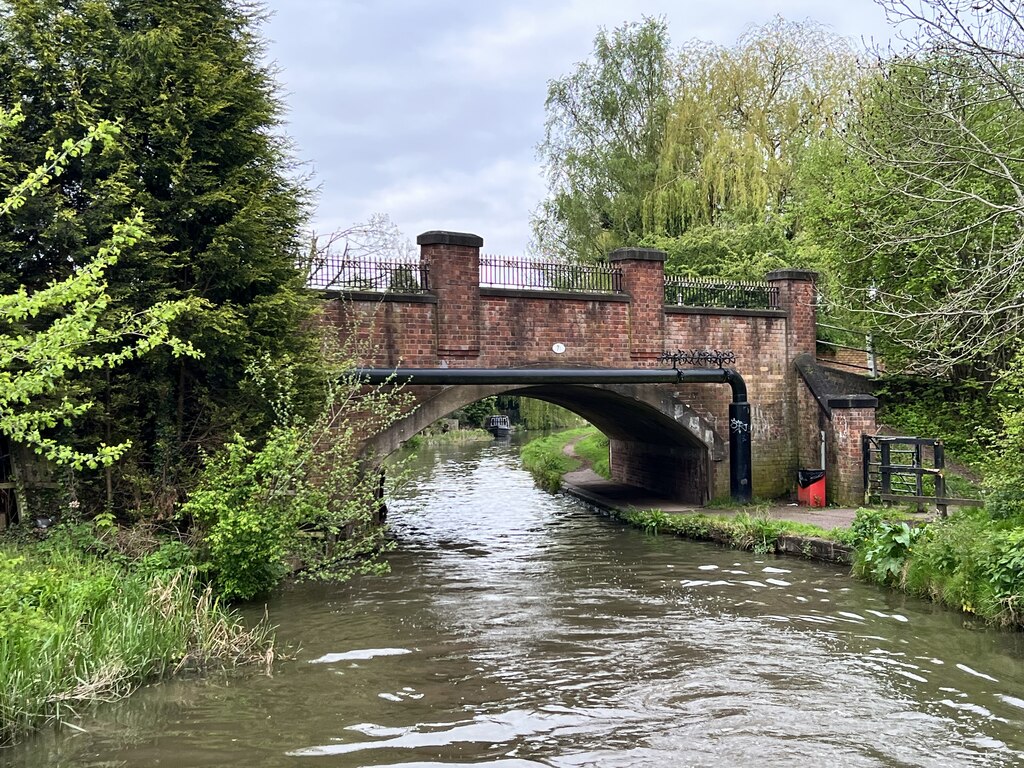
[{"x": 520, "y": 629}]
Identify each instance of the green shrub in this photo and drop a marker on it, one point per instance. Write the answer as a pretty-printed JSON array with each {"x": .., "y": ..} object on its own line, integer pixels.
[
  {"x": 960, "y": 413},
  {"x": 1004, "y": 471},
  {"x": 545, "y": 459},
  {"x": 885, "y": 553},
  {"x": 475, "y": 414},
  {"x": 302, "y": 497},
  {"x": 968, "y": 561},
  {"x": 866, "y": 523},
  {"x": 652, "y": 521},
  {"x": 757, "y": 532},
  {"x": 248, "y": 505}
]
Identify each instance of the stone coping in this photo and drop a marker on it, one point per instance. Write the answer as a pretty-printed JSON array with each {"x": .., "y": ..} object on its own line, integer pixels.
[
  {"x": 441, "y": 237},
  {"x": 637, "y": 254},
  {"x": 405, "y": 298},
  {"x": 831, "y": 388},
  {"x": 523, "y": 293}
]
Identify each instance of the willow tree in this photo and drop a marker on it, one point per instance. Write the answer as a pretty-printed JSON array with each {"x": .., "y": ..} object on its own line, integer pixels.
[
  {"x": 692, "y": 151},
  {"x": 742, "y": 119}
]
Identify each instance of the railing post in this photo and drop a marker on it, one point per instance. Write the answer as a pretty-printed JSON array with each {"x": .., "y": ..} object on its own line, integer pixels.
[
  {"x": 919, "y": 482},
  {"x": 940, "y": 478},
  {"x": 865, "y": 453},
  {"x": 885, "y": 468}
]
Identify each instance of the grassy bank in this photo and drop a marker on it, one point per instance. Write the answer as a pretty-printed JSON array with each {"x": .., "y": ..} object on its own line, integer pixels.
[
  {"x": 77, "y": 628},
  {"x": 546, "y": 460},
  {"x": 969, "y": 561},
  {"x": 747, "y": 530},
  {"x": 592, "y": 449}
]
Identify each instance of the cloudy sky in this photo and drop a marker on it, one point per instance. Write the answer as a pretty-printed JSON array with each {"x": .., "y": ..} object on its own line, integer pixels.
[{"x": 430, "y": 111}]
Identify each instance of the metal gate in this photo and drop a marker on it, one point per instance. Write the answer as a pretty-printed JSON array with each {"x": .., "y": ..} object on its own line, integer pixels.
[{"x": 895, "y": 471}]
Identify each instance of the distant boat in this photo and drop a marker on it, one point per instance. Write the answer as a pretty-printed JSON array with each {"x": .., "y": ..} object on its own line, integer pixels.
[{"x": 499, "y": 425}]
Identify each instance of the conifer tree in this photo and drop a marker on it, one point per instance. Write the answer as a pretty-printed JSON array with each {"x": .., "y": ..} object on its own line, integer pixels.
[{"x": 201, "y": 155}]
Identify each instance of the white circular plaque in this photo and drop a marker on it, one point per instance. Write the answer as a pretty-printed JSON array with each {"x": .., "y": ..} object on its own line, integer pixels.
[{"x": 558, "y": 348}]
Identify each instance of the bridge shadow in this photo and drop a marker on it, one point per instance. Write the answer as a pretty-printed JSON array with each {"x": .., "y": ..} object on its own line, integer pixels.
[{"x": 656, "y": 443}]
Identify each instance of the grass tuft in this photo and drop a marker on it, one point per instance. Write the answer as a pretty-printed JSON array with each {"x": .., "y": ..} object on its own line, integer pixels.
[{"x": 76, "y": 629}]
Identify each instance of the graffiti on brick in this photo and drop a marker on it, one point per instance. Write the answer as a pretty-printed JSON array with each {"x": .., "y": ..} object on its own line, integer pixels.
[{"x": 763, "y": 425}]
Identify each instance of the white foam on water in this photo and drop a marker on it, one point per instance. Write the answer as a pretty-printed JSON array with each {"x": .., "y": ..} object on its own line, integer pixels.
[
  {"x": 362, "y": 654},
  {"x": 976, "y": 673}
]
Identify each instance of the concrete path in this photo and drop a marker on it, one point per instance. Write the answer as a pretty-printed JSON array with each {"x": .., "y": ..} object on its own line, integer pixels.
[{"x": 591, "y": 487}]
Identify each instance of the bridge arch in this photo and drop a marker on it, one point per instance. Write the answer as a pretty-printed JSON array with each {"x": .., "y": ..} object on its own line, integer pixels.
[{"x": 655, "y": 441}]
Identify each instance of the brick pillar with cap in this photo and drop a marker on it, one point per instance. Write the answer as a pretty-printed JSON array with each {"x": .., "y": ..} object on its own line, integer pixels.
[
  {"x": 453, "y": 261},
  {"x": 643, "y": 280},
  {"x": 798, "y": 296}
]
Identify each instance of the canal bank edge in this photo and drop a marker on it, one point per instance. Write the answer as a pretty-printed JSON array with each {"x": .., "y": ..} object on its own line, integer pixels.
[{"x": 732, "y": 528}]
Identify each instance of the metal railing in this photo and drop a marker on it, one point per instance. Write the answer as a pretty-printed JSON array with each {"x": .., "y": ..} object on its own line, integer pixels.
[
  {"x": 370, "y": 275},
  {"x": 848, "y": 334},
  {"x": 523, "y": 274},
  {"x": 695, "y": 292}
]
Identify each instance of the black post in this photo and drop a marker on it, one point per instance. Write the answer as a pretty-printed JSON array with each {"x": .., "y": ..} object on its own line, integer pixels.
[
  {"x": 919, "y": 484},
  {"x": 940, "y": 478},
  {"x": 740, "y": 484},
  {"x": 886, "y": 468},
  {"x": 865, "y": 455}
]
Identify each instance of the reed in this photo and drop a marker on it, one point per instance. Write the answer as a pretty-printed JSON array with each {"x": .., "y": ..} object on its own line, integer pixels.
[{"x": 75, "y": 629}]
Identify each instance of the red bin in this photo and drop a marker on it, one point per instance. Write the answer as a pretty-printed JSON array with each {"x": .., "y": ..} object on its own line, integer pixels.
[{"x": 810, "y": 487}]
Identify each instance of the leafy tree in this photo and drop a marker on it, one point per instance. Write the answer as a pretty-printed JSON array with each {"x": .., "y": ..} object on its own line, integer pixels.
[
  {"x": 199, "y": 152},
  {"x": 923, "y": 203},
  {"x": 49, "y": 337},
  {"x": 694, "y": 152},
  {"x": 731, "y": 251},
  {"x": 605, "y": 127}
]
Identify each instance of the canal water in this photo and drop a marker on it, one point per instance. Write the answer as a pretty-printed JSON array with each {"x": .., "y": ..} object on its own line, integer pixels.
[{"x": 520, "y": 629}]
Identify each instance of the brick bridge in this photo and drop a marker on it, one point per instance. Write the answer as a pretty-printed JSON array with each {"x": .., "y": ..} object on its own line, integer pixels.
[{"x": 457, "y": 309}]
